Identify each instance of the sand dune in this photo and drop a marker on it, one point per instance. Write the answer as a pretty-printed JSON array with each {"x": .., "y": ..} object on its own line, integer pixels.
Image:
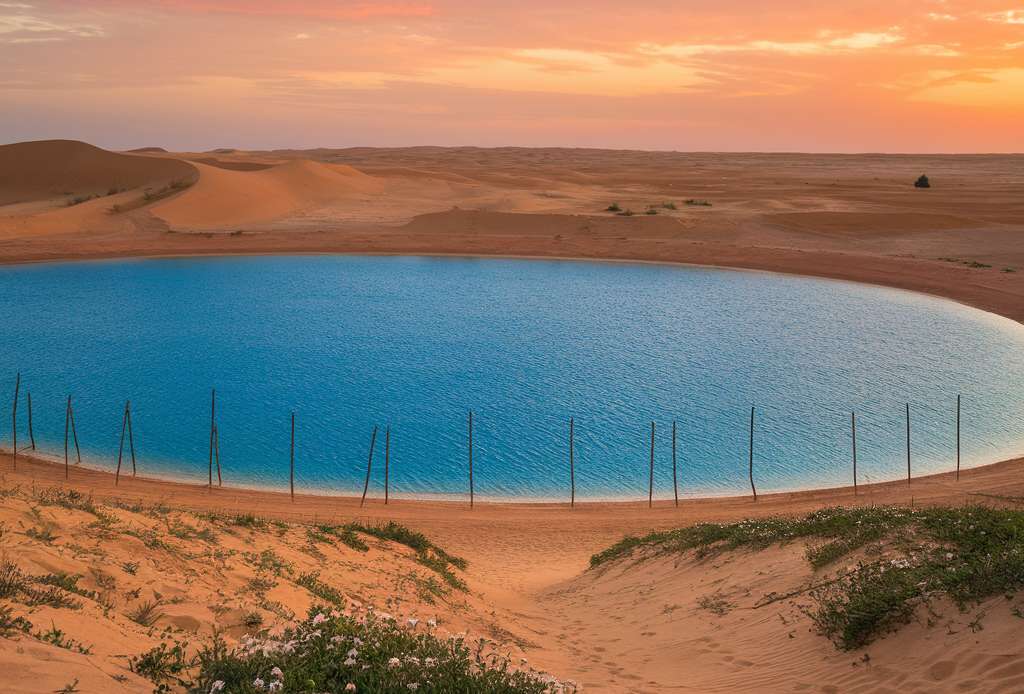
[
  {"x": 228, "y": 197},
  {"x": 67, "y": 169}
]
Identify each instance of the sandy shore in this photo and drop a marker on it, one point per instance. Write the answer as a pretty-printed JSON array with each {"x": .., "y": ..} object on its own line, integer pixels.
[{"x": 552, "y": 533}]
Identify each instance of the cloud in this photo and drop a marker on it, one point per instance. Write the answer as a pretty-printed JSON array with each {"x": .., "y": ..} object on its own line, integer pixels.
[
  {"x": 29, "y": 28},
  {"x": 822, "y": 45},
  {"x": 1000, "y": 88},
  {"x": 1007, "y": 17}
]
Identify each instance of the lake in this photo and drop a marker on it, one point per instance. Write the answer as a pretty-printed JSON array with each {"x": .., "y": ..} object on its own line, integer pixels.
[{"x": 415, "y": 343}]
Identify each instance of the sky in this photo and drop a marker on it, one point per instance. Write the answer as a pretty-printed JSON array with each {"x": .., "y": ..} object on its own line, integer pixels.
[{"x": 722, "y": 75}]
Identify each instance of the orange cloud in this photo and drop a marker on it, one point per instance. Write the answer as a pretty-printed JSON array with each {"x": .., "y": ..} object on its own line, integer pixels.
[{"x": 735, "y": 74}]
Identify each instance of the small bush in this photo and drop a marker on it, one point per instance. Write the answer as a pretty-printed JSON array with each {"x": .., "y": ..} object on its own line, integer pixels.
[
  {"x": 922, "y": 182},
  {"x": 146, "y": 614},
  {"x": 693, "y": 202},
  {"x": 165, "y": 666},
  {"x": 614, "y": 207},
  {"x": 11, "y": 625}
]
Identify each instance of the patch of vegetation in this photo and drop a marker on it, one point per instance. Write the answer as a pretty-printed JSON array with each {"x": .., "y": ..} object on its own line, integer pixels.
[
  {"x": 922, "y": 182},
  {"x": 253, "y": 620},
  {"x": 11, "y": 624},
  {"x": 130, "y": 567},
  {"x": 268, "y": 561},
  {"x": 625, "y": 213},
  {"x": 167, "y": 666},
  {"x": 614, "y": 207},
  {"x": 260, "y": 585},
  {"x": 18, "y": 586},
  {"x": 311, "y": 582},
  {"x": 716, "y": 604},
  {"x": 66, "y": 581},
  {"x": 651, "y": 211},
  {"x": 44, "y": 534},
  {"x": 669, "y": 205},
  {"x": 146, "y": 614},
  {"x": 694, "y": 202},
  {"x": 248, "y": 520},
  {"x": 79, "y": 199},
  {"x": 58, "y": 638},
  {"x": 327, "y": 652},
  {"x": 184, "y": 531},
  {"x": 965, "y": 554},
  {"x": 427, "y": 553},
  {"x": 166, "y": 191}
]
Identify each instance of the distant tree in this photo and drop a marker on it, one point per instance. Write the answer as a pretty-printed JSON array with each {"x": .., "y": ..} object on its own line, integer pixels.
[{"x": 922, "y": 182}]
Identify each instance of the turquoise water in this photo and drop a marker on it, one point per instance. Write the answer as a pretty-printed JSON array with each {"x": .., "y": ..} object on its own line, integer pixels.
[{"x": 414, "y": 343}]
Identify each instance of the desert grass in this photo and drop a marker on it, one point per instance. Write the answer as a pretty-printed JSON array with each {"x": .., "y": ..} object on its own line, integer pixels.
[{"x": 905, "y": 559}]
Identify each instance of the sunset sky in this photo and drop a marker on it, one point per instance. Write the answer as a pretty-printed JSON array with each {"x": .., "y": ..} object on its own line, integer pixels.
[{"x": 807, "y": 75}]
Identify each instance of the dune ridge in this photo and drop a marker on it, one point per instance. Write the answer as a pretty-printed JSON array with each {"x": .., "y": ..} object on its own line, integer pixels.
[{"x": 31, "y": 171}]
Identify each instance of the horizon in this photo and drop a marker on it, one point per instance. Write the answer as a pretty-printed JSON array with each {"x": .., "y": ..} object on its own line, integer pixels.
[{"x": 922, "y": 78}]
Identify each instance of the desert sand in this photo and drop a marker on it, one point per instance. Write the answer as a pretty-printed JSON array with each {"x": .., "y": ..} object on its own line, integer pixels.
[{"x": 629, "y": 627}]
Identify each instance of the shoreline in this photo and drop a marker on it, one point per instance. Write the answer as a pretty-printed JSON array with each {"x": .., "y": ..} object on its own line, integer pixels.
[
  {"x": 462, "y": 498},
  {"x": 932, "y": 487}
]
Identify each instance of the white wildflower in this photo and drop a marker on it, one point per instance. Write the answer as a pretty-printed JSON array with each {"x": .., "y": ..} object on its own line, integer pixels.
[
  {"x": 217, "y": 686},
  {"x": 413, "y": 622},
  {"x": 258, "y": 683},
  {"x": 276, "y": 672},
  {"x": 320, "y": 618},
  {"x": 394, "y": 662},
  {"x": 350, "y": 687}
]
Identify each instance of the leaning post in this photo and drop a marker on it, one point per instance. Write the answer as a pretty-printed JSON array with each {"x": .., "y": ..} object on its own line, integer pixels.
[{"x": 751, "y": 448}]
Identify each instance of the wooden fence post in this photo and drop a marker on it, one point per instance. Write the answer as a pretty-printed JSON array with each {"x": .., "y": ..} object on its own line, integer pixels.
[
  {"x": 291, "y": 466},
  {"x": 216, "y": 453},
  {"x": 908, "y": 443},
  {"x": 213, "y": 412},
  {"x": 650, "y": 481},
  {"x": 572, "y": 465},
  {"x": 369, "y": 465},
  {"x": 387, "y": 463},
  {"x": 131, "y": 435},
  {"x": 67, "y": 426},
  {"x": 471, "y": 458},
  {"x": 751, "y": 468},
  {"x": 958, "y": 437},
  {"x": 675, "y": 481},
  {"x": 853, "y": 432},
  {"x": 14, "y": 418},
  {"x": 120, "y": 447},
  {"x": 74, "y": 432},
  {"x": 31, "y": 434}
]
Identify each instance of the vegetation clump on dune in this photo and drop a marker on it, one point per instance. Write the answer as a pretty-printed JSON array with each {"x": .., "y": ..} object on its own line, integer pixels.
[
  {"x": 362, "y": 650},
  {"x": 905, "y": 558}
]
